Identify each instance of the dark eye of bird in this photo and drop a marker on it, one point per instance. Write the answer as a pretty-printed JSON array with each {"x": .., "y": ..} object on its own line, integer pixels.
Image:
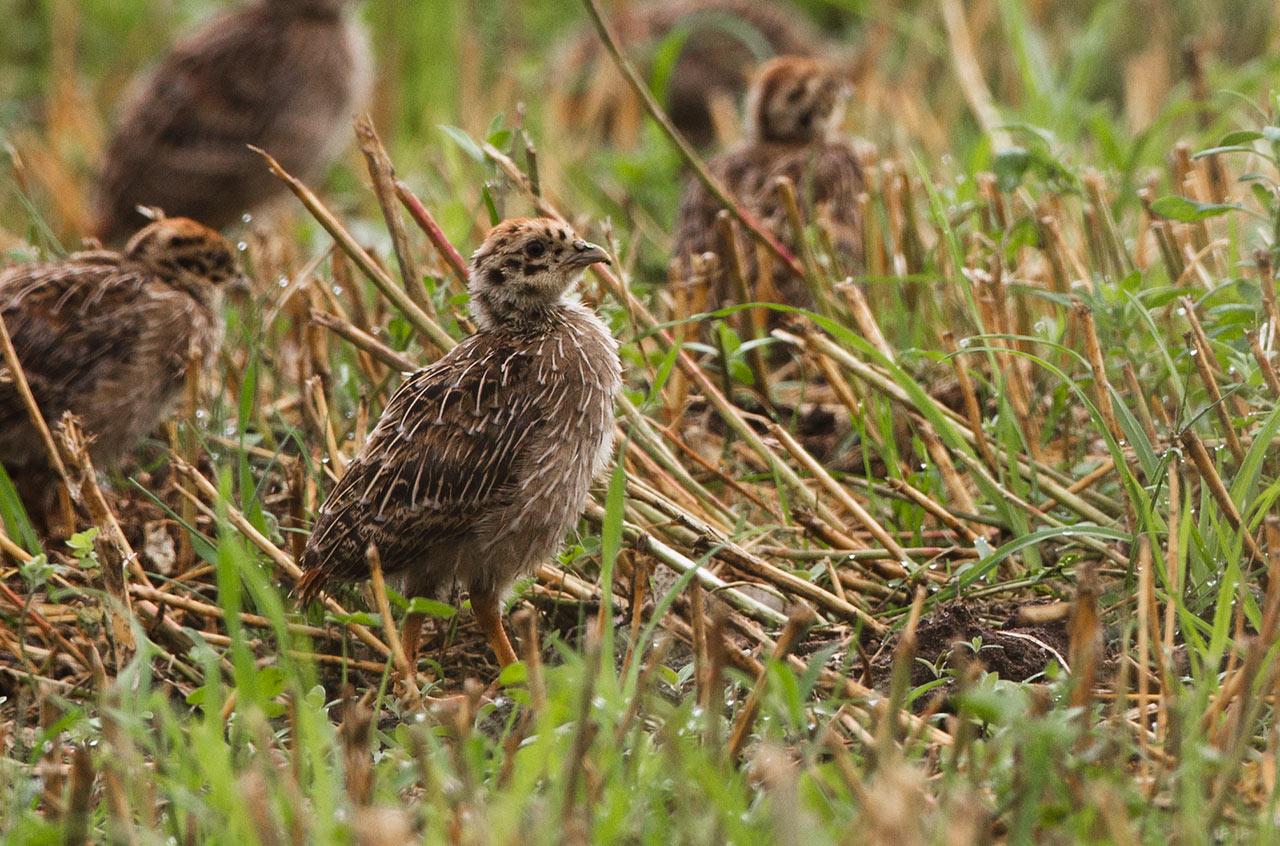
[{"x": 534, "y": 249}]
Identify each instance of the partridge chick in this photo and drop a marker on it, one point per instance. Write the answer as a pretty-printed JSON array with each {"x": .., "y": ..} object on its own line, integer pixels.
[
  {"x": 110, "y": 336},
  {"x": 724, "y": 44},
  {"x": 794, "y": 110},
  {"x": 283, "y": 75},
  {"x": 481, "y": 461}
]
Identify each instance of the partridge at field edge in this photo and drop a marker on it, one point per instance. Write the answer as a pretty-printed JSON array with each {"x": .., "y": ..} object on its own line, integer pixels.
[
  {"x": 481, "y": 462},
  {"x": 794, "y": 110},
  {"x": 283, "y": 75},
  {"x": 110, "y": 336}
]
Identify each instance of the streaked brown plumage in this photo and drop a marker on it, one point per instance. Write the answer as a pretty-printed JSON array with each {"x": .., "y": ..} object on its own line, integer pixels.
[
  {"x": 725, "y": 42},
  {"x": 481, "y": 461},
  {"x": 110, "y": 336},
  {"x": 283, "y": 75},
  {"x": 793, "y": 113}
]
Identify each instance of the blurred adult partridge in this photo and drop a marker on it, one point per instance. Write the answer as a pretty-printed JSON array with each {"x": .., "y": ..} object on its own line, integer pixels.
[
  {"x": 794, "y": 110},
  {"x": 726, "y": 40},
  {"x": 283, "y": 75},
  {"x": 481, "y": 461},
  {"x": 110, "y": 337}
]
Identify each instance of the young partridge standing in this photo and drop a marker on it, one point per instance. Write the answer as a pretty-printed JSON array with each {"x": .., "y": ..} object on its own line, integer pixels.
[
  {"x": 794, "y": 110},
  {"x": 283, "y": 75},
  {"x": 481, "y": 461},
  {"x": 110, "y": 337}
]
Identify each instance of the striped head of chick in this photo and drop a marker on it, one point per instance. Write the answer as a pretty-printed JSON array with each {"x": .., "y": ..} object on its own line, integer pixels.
[
  {"x": 523, "y": 270},
  {"x": 188, "y": 256},
  {"x": 796, "y": 100}
]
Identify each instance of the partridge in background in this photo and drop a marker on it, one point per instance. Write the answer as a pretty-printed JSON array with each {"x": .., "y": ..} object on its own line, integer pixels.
[
  {"x": 110, "y": 337},
  {"x": 481, "y": 462},
  {"x": 283, "y": 75},
  {"x": 727, "y": 39},
  {"x": 794, "y": 110}
]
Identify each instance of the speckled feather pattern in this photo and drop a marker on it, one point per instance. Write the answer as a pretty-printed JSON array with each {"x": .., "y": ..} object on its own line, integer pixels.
[
  {"x": 481, "y": 462},
  {"x": 823, "y": 167},
  {"x": 110, "y": 337},
  {"x": 284, "y": 75},
  {"x": 828, "y": 180}
]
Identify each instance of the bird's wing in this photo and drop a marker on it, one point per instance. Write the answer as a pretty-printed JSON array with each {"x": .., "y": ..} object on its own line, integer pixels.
[
  {"x": 71, "y": 326},
  {"x": 738, "y": 169},
  {"x": 828, "y": 180},
  {"x": 445, "y": 455}
]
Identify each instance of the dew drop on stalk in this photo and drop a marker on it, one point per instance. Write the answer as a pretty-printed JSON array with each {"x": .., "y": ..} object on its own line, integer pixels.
[
  {"x": 337, "y": 290},
  {"x": 246, "y": 218},
  {"x": 242, "y": 246},
  {"x": 283, "y": 282}
]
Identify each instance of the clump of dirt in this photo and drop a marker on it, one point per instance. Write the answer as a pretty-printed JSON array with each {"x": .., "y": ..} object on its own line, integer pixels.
[{"x": 1006, "y": 646}]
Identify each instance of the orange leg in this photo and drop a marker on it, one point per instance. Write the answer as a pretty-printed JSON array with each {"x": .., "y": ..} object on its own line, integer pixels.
[{"x": 489, "y": 615}]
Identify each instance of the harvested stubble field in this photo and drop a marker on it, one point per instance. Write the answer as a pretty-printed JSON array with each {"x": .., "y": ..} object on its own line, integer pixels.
[{"x": 985, "y": 549}]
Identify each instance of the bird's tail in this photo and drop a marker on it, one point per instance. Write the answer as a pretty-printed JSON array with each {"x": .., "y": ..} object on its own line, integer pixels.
[{"x": 308, "y": 588}]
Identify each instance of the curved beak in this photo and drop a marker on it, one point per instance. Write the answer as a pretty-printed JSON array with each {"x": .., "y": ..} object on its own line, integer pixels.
[{"x": 585, "y": 254}]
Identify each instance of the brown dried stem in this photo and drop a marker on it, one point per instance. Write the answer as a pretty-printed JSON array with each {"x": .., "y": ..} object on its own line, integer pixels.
[
  {"x": 797, "y": 624},
  {"x": 427, "y": 327},
  {"x": 704, "y": 175},
  {"x": 383, "y": 175}
]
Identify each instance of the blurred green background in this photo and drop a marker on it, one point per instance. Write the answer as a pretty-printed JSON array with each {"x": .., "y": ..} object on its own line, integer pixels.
[{"x": 1092, "y": 78}]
